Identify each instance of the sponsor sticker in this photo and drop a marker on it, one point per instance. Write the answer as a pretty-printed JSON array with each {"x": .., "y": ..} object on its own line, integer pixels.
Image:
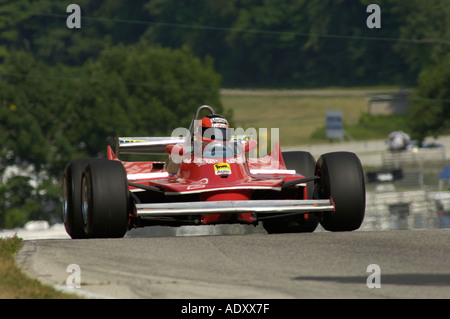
[
  {"x": 222, "y": 169},
  {"x": 124, "y": 141}
]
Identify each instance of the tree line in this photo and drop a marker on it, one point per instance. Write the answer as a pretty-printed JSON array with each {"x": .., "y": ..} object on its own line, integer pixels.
[{"x": 253, "y": 43}]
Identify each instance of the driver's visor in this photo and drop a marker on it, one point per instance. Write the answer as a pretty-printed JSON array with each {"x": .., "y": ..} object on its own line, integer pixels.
[{"x": 216, "y": 133}]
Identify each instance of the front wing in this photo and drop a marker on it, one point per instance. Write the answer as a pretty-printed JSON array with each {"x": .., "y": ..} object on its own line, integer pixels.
[{"x": 241, "y": 206}]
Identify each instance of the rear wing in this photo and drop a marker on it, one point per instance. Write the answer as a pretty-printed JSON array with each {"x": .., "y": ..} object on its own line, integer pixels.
[
  {"x": 157, "y": 145},
  {"x": 145, "y": 145}
]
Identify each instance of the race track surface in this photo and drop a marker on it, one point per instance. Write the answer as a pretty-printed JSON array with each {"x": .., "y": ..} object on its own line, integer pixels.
[{"x": 412, "y": 264}]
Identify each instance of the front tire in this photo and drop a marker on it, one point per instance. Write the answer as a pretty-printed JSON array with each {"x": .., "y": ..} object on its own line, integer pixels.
[
  {"x": 105, "y": 198},
  {"x": 72, "y": 215},
  {"x": 342, "y": 179}
]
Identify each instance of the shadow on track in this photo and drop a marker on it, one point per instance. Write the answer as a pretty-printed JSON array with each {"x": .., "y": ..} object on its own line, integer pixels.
[{"x": 408, "y": 279}]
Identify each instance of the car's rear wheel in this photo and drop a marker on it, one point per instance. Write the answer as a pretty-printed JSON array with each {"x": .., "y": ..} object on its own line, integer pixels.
[
  {"x": 105, "y": 199},
  {"x": 342, "y": 179},
  {"x": 303, "y": 163}
]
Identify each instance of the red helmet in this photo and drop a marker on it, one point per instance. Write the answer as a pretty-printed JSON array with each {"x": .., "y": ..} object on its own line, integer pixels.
[{"x": 214, "y": 127}]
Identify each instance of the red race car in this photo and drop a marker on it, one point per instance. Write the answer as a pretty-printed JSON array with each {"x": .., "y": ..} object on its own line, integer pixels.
[{"x": 210, "y": 177}]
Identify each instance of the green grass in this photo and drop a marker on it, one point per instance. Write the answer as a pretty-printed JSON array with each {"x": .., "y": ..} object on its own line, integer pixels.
[
  {"x": 300, "y": 115},
  {"x": 14, "y": 284}
]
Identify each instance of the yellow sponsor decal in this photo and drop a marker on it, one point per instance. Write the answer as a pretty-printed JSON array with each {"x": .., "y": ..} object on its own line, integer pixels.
[
  {"x": 242, "y": 138},
  {"x": 222, "y": 169},
  {"x": 123, "y": 141}
]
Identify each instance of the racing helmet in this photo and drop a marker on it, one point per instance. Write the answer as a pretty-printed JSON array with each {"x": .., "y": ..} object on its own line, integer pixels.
[{"x": 214, "y": 128}]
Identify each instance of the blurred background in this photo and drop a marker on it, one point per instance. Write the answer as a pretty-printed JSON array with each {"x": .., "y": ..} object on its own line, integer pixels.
[{"x": 142, "y": 67}]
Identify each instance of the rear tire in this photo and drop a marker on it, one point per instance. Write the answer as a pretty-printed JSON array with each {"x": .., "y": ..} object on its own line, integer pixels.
[
  {"x": 105, "y": 198},
  {"x": 303, "y": 163},
  {"x": 342, "y": 179}
]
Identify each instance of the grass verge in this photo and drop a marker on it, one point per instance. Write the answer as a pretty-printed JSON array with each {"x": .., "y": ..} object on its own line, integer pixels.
[
  {"x": 14, "y": 284},
  {"x": 300, "y": 114}
]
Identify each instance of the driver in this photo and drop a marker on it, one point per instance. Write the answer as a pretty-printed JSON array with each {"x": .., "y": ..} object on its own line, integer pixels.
[{"x": 211, "y": 128}]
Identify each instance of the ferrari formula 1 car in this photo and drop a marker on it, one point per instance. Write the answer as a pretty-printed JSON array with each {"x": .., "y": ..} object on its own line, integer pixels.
[{"x": 209, "y": 178}]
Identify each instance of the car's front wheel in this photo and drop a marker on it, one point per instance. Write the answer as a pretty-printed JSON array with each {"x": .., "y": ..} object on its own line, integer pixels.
[
  {"x": 105, "y": 199},
  {"x": 71, "y": 194},
  {"x": 342, "y": 179}
]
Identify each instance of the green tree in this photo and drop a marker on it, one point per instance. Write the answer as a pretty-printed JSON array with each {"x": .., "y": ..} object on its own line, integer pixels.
[
  {"x": 424, "y": 31},
  {"x": 202, "y": 25},
  {"x": 150, "y": 89},
  {"x": 253, "y": 43},
  {"x": 429, "y": 113},
  {"x": 39, "y": 27},
  {"x": 284, "y": 43},
  {"x": 51, "y": 115}
]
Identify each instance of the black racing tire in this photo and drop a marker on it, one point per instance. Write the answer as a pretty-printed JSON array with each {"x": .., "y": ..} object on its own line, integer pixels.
[
  {"x": 342, "y": 179},
  {"x": 73, "y": 220},
  {"x": 105, "y": 199},
  {"x": 303, "y": 163}
]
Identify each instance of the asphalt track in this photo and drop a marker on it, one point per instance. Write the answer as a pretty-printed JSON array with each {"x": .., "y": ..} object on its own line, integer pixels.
[{"x": 412, "y": 264}]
